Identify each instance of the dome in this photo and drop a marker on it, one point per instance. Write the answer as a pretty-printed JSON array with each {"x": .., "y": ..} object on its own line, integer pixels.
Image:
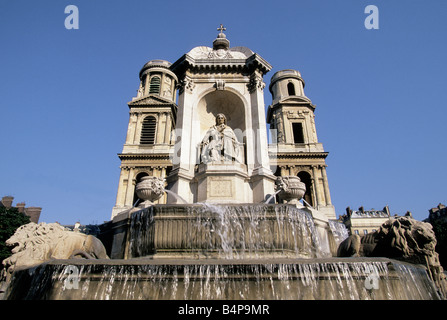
[
  {"x": 203, "y": 52},
  {"x": 287, "y": 84},
  {"x": 287, "y": 73},
  {"x": 221, "y": 57},
  {"x": 157, "y": 65}
]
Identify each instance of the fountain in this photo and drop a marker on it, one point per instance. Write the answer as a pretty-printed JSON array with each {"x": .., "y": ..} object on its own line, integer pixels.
[
  {"x": 211, "y": 251},
  {"x": 222, "y": 234}
]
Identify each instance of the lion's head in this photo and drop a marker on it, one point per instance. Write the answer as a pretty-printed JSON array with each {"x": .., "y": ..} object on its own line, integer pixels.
[
  {"x": 29, "y": 242},
  {"x": 408, "y": 237}
]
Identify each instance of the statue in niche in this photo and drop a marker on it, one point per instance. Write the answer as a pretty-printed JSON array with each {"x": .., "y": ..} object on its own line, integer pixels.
[{"x": 220, "y": 143}]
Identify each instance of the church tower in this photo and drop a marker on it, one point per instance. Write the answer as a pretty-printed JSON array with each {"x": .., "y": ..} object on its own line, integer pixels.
[
  {"x": 148, "y": 146},
  {"x": 295, "y": 150}
]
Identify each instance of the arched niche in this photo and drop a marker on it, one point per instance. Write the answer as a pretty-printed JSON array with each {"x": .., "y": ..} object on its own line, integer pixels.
[{"x": 222, "y": 101}]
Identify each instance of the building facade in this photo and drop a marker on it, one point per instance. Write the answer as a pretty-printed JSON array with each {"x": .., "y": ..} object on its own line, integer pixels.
[
  {"x": 170, "y": 139},
  {"x": 295, "y": 149},
  {"x": 149, "y": 141},
  {"x": 363, "y": 221}
]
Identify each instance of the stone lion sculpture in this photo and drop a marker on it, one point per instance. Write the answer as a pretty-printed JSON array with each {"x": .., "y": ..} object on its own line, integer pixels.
[
  {"x": 402, "y": 238},
  {"x": 36, "y": 243}
]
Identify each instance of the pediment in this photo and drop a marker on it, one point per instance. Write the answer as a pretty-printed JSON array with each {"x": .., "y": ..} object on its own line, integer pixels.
[
  {"x": 295, "y": 99},
  {"x": 149, "y": 100}
]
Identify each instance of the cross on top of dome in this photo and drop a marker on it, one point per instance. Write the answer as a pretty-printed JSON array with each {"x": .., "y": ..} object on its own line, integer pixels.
[
  {"x": 221, "y": 28},
  {"x": 221, "y": 41}
]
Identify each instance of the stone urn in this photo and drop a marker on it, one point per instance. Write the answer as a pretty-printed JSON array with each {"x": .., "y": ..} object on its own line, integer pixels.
[
  {"x": 290, "y": 189},
  {"x": 149, "y": 189}
]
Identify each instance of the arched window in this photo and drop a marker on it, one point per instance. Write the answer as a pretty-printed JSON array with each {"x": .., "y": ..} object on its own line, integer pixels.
[
  {"x": 154, "y": 87},
  {"x": 307, "y": 180},
  {"x": 291, "y": 89},
  {"x": 148, "y": 130}
]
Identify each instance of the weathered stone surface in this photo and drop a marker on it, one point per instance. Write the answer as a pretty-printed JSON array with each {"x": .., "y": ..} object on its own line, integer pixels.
[
  {"x": 37, "y": 243},
  {"x": 402, "y": 238}
]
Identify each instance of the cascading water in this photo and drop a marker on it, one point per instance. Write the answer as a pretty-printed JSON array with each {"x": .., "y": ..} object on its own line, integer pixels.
[
  {"x": 339, "y": 231},
  {"x": 219, "y": 252},
  {"x": 175, "y": 195},
  {"x": 271, "y": 197},
  {"x": 326, "y": 279},
  {"x": 227, "y": 232}
]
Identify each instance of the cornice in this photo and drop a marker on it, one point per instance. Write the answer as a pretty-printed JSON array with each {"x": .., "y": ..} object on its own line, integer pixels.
[
  {"x": 144, "y": 156},
  {"x": 298, "y": 155},
  {"x": 150, "y": 100},
  {"x": 252, "y": 63}
]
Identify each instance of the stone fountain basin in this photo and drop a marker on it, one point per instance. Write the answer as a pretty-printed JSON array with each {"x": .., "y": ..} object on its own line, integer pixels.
[
  {"x": 227, "y": 231},
  {"x": 218, "y": 279}
]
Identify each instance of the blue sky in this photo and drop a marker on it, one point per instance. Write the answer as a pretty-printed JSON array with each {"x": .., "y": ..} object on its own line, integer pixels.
[{"x": 380, "y": 94}]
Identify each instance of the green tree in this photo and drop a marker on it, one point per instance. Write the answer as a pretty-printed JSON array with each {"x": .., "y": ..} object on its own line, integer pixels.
[{"x": 10, "y": 220}]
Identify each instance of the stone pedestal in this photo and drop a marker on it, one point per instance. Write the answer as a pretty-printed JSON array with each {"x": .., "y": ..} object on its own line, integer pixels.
[
  {"x": 222, "y": 183},
  {"x": 263, "y": 184}
]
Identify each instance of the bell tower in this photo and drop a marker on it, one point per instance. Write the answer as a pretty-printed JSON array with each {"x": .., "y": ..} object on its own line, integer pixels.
[
  {"x": 148, "y": 146},
  {"x": 295, "y": 150}
]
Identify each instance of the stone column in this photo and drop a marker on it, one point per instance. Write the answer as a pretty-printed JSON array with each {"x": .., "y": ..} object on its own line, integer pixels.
[
  {"x": 262, "y": 177},
  {"x": 146, "y": 84},
  {"x": 326, "y": 187},
  {"x": 130, "y": 190},
  {"x": 259, "y": 125},
  {"x": 121, "y": 194},
  {"x": 315, "y": 183},
  {"x": 183, "y": 158},
  {"x": 137, "y": 128},
  {"x": 130, "y": 138},
  {"x": 161, "y": 125},
  {"x": 168, "y": 129}
]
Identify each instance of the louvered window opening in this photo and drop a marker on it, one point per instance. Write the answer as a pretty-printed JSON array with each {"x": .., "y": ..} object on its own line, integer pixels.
[
  {"x": 154, "y": 87},
  {"x": 148, "y": 131}
]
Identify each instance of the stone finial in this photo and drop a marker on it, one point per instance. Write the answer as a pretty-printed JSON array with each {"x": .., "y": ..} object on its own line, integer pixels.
[
  {"x": 221, "y": 42},
  {"x": 221, "y": 28}
]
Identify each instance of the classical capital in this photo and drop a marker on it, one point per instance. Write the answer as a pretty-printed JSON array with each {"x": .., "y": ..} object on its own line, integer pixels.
[
  {"x": 186, "y": 84},
  {"x": 256, "y": 82}
]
